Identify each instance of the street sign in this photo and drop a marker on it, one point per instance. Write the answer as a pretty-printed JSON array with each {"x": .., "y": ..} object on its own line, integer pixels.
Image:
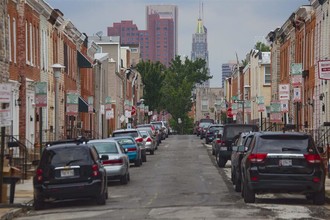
[{"x": 133, "y": 112}]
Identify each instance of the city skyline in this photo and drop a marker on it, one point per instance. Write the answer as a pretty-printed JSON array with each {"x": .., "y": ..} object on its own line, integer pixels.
[{"x": 233, "y": 26}]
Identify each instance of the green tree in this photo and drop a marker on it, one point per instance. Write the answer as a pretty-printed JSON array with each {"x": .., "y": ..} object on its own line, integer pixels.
[
  {"x": 180, "y": 80},
  {"x": 152, "y": 75},
  {"x": 261, "y": 47}
]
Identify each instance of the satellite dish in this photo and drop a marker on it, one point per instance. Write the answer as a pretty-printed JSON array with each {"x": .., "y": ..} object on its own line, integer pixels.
[{"x": 99, "y": 34}]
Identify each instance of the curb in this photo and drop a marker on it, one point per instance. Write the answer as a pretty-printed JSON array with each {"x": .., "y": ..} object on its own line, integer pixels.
[{"x": 15, "y": 210}]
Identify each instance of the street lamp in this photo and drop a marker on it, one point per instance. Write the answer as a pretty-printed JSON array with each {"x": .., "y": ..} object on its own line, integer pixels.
[{"x": 57, "y": 68}]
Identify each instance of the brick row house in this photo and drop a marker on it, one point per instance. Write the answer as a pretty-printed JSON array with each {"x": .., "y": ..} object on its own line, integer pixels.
[
  {"x": 86, "y": 96},
  {"x": 285, "y": 85}
]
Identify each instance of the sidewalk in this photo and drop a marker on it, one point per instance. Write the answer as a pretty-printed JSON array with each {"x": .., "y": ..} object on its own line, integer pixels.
[{"x": 23, "y": 200}]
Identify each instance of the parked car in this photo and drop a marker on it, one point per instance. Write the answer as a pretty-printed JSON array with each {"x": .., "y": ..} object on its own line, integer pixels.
[
  {"x": 162, "y": 128},
  {"x": 210, "y": 132},
  {"x": 132, "y": 148},
  {"x": 283, "y": 162},
  {"x": 114, "y": 159},
  {"x": 202, "y": 129},
  {"x": 137, "y": 137},
  {"x": 155, "y": 133},
  {"x": 239, "y": 147},
  {"x": 69, "y": 170},
  {"x": 150, "y": 141},
  {"x": 224, "y": 148}
]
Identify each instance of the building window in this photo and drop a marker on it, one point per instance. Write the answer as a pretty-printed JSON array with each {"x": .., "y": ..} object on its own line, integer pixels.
[
  {"x": 14, "y": 38},
  {"x": 9, "y": 37},
  {"x": 205, "y": 106},
  {"x": 267, "y": 75},
  {"x": 31, "y": 45}
]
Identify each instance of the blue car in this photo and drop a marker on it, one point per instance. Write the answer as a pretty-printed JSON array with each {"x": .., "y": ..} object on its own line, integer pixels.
[{"x": 133, "y": 149}]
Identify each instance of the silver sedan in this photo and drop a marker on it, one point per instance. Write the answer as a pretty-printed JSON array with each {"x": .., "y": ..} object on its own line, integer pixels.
[{"x": 114, "y": 159}]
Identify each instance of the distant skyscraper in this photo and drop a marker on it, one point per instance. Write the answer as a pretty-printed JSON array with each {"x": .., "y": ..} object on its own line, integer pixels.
[
  {"x": 199, "y": 47},
  {"x": 159, "y": 41},
  {"x": 227, "y": 69},
  {"x": 166, "y": 12}
]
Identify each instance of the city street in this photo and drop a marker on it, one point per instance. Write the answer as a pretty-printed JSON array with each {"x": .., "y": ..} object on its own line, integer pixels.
[{"x": 182, "y": 181}]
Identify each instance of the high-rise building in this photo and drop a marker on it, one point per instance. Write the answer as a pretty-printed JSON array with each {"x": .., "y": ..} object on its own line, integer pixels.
[
  {"x": 166, "y": 12},
  {"x": 159, "y": 41},
  {"x": 227, "y": 69},
  {"x": 199, "y": 47}
]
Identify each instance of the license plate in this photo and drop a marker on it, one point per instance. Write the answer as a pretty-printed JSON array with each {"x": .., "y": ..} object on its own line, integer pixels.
[
  {"x": 285, "y": 163},
  {"x": 67, "y": 173}
]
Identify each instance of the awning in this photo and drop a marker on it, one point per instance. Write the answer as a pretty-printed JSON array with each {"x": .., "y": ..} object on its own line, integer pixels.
[
  {"x": 83, "y": 62},
  {"x": 82, "y": 105}
]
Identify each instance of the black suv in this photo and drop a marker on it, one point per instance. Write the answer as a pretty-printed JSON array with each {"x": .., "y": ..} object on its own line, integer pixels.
[
  {"x": 69, "y": 170},
  {"x": 224, "y": 146},
  {"x": 278, "y": 162}
]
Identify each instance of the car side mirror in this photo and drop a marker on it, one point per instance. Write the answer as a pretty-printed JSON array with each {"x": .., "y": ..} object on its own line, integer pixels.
[{"x": 104, "y": 157}]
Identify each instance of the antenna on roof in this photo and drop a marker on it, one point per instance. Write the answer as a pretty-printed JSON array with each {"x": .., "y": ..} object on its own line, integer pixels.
[{"x": 99, "y": 34}]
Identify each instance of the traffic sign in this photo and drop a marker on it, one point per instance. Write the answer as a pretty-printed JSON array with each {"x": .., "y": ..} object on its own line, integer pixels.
[
  {"x": 133, "y": 112},
  {"x": 229, "y": 113}
]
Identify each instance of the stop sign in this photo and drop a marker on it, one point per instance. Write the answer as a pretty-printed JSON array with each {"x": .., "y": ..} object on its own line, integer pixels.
[
  {"x": 133, "y": 112},
  {"x": 229, "y": 113}
]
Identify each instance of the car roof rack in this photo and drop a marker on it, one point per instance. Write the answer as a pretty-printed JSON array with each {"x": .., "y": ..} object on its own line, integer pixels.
[{"x": 78, "y": 140}]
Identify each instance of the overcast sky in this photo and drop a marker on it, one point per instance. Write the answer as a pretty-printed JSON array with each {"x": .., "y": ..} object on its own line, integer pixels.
[{"x": 234, "y": 26}]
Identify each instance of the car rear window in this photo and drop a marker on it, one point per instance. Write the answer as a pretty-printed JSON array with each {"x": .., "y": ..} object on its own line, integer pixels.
[
  {"x": 284, "y": 144},
  {"x": 231, "y": 131},
  {"x": 106, "y": 147},
  {"x": 68, "y": 156},
  {"x": 127, "y": 133},
  {"x": 125, "y": 141}
]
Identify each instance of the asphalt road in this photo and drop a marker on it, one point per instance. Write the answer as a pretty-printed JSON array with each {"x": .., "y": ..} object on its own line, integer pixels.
[{"x": 182, "y": 181}]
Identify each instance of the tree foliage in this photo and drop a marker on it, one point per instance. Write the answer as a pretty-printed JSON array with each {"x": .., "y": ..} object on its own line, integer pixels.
[
  {"x": 262, "y": 47},
  {"x": 152, "y": 75},
  {"x": 171, "y": 88}
]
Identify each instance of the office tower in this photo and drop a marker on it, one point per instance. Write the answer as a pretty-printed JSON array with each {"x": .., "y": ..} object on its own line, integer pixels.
[{"x": 227, "y": 69}]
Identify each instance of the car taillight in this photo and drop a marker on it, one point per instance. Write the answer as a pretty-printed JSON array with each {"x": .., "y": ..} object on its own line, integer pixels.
[
  {"x": 39, "y": 173},
  {"x": 95, "y": 170},
  {"x": 131, "y": 149},
  {"x": 257, "y": 158},
  {"x": 312, "y": 158},
  {"x": 149, "y": 139},
  {"x": 139, "y": 140},
  {"x": 220, "y": 142},
  {"x": 113, "y": 162}
]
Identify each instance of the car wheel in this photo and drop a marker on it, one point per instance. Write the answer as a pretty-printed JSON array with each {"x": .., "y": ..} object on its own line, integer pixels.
[
  {"x": 101, "y": 199},
  {"x": 137, "y": 162},
  {"x": 144, "y": 157},
  {"x": 237, "y": 183},
  {"x": 319, "y": 197},
  {"x": 233, "y": 175},
  {"x": 249, "y": 195},
  {"x": 206, "y": 142},
  {"x": 38, "y": 204},
  {"x": 106, "y": 193},
  {"x": 221, "y": 161},
  {"x": 124, "y": 179},
  {"x": 213, "y": 152},
  {"x": 152, "y": 152}
]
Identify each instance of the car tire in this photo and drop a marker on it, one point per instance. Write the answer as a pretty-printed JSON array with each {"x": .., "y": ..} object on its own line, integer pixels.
[
  {"x": 38, "y": 204},
  {"x": 221, "y": 161},
  {"x": 137, "y": 162},
  {"x": 144, "y": 157},
  {"x": 101, "y": 199},
  {"x": 249, "y": 195},
  {"x": 124, "y": 179},
  {"x": 213, "y": 152},
  {"x": 237, "y": 185},
  {"x": 319, "y": 197},
  {"x": 152, "y": 152}
]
